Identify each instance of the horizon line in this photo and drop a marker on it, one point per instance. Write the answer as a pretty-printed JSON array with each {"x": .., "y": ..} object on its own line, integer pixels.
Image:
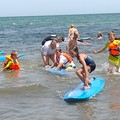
[{"x": 57, "y": 15}]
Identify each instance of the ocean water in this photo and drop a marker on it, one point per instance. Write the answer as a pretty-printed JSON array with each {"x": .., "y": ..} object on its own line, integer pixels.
[{"x": 33, "y": 93}]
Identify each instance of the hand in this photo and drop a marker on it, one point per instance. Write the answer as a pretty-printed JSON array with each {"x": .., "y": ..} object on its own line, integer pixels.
[{"x": 95, "y": 52}]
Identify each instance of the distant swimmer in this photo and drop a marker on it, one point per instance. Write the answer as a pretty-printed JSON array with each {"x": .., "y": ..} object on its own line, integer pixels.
[
  {"x": 99, "y": 36},
  {"x": 11, "y": 62},
  {"x": 114, "y": 52}
]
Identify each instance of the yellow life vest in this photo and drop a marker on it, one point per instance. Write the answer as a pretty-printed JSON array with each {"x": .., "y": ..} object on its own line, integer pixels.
[{"x": 14, "y": 65}]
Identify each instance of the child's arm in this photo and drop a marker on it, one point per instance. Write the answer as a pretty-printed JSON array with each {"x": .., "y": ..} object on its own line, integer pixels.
[
  {"x": 98, "y": 51},
  {"x": 102, "y": 49},
  {"x": 7, "y": 66}
]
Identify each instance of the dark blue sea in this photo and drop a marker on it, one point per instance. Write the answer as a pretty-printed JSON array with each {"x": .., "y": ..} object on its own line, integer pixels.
[{"x": 35, "y": 94}]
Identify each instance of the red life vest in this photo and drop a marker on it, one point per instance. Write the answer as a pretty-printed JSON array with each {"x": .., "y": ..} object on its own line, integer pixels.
[
  {"x": 66, "y": 56},
  {"x": 114, "y": 49},
  {"x": 14, "y": 65}
]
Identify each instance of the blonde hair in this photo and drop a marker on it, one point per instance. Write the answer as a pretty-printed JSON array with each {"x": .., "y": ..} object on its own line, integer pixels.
[
  {"x": 72, "y": 26},
  {"x": 112, "y": 32}
]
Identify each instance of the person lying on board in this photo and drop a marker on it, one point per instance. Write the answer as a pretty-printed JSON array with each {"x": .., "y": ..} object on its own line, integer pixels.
[
  {"x": 11, "y": 62},
  {"x": 58, "y": 39},
  {"x": 64, "y": 61},
  {"x": 88, "y": 66},
  {"x": 114, "y": 52}
]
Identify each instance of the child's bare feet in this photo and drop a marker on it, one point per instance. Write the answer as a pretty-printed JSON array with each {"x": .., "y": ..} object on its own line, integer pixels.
[
  {"x": 89, "y": 83},
  {"x": 85, "y": 87}
]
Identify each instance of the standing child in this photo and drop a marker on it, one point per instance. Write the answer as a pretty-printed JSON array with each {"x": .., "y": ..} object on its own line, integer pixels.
[
  {"x": 88, "y": 65},
  {"x": 114, "y": 51}
]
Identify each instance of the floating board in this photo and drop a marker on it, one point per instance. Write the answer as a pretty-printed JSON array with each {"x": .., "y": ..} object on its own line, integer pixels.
[
  {"x": 86, "y": 38},
  {"x": 78, "y": 43},
  {"x": 1, "y": 52},
  {"x": 3, "y": 58},
  {"x": 79, "y": 94},
  {"x": 58, "y": 72}
]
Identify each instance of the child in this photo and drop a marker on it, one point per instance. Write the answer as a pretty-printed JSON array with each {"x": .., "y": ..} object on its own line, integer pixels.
[
  {"x": 63, "y": 60},
  {"x": 88, "y": 65},
  {"x": 114, "y": 51},
  {"x": 11, "y": 62}
]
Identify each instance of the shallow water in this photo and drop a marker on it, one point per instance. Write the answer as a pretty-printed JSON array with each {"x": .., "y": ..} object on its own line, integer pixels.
[{"x": 34, "y": 93}]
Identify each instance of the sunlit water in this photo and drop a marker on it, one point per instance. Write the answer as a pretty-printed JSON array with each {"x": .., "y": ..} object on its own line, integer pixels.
[{"x": 34, "y": 93}]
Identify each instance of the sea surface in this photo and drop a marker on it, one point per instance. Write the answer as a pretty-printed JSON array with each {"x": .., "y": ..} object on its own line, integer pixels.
[{"x": 35, "y": 94}]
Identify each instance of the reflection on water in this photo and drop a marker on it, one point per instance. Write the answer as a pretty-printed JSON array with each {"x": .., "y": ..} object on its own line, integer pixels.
[
  {"x": 87, "y": 110},
  {"x": 12, "y": 74},
  {"x": 115, "y": 106}
]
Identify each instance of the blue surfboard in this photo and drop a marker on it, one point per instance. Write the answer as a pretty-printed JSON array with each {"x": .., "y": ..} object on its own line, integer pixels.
[
  {"x": 79, "y": 94},
  {"x": 1, "y": 52},
  {"x": 58, "y": 72},
  {"x": 3, "y": 58}
]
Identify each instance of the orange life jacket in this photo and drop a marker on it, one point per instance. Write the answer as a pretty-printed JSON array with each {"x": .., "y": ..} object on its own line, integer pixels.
[
  {"x": 114, "y": 49},
  {"x": 14, "y": 65},
  {"x": 66, "y": 56}
]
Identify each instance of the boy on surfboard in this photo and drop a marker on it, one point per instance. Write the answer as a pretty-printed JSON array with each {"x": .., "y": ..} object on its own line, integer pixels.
[{"x": 88, "y": 66}]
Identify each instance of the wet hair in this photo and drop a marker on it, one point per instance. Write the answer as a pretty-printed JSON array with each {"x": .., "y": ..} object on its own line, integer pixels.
[
  {"x": 72, "y": 26},
  {"x": 58, "y": 50},
  {"x": 99, "y": 34},
  {"x": 61, "y": 37},
  {"x": 14, "y": 53},
  {"x": 76, "y": 50},
  {"x": 112, "y": 32}
]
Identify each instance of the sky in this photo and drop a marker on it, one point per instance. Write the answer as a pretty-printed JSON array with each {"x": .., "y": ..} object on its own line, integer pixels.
[{"x": 57, "y": 7}]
